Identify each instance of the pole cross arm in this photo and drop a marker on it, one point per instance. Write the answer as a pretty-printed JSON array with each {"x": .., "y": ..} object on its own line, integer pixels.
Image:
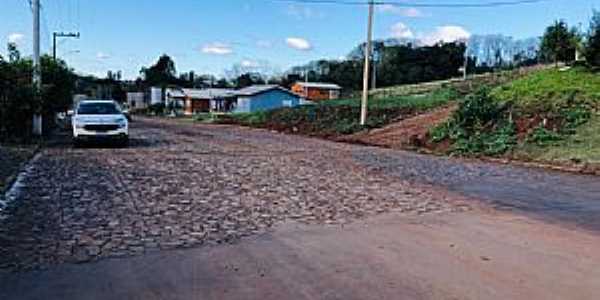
[{"x": 56, "y": 35}]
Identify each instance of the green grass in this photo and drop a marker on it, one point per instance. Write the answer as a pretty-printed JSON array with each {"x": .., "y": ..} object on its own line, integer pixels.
[
  {"x": 338, "y": 117},
  {"x": 551, "y": 89},
  {"x": 550, "y": 115},
  {"x": 583, "y": 146},
  {"x": 420, "y": 101}
]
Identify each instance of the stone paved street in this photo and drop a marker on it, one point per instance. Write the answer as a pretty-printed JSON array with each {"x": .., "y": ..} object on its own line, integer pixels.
[{"x": 181, "y": 185}]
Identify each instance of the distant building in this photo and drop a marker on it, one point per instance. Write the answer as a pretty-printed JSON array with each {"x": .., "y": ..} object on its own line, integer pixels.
[
  {"x": 156, "y": 95},
  {"x": 205, "y": 100},
  {"x": 265, "y": 97},
  {"x": 250, "y": 99},
  {"x": 136, "y": 100},
  {"x": 317, "y": 91}
]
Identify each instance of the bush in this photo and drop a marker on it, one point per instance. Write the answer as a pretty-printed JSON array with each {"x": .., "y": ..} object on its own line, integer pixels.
[
  {"x": 480, "y": 125},
  {"x": 157, "y": 109},
  {"x": 543, "y": 137},
  {"x": 20, "y": 100}
]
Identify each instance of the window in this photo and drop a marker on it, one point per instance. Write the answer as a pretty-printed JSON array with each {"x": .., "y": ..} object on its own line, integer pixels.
[{"x": 98, "y": 108}]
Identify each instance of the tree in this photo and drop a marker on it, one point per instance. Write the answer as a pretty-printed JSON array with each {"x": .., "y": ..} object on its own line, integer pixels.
[
  {"x": 13, "y": 53},
  {"x": 559, "y": 43},
  {"x": 248, "y": 79},
  {"x": 17, "y": 94},
  {"x": 592, "y": 50},
  {"x": 162, "y": 73}
]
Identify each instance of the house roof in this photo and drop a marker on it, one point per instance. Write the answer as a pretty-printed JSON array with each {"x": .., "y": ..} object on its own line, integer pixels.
[
  {"x": 209, "y": 93},
  {"x": 214, "y": 93},
  {"x": 201, "y": 93},
  {"x": 259, "y": 89},
  {"x": 320, "y": 85}
]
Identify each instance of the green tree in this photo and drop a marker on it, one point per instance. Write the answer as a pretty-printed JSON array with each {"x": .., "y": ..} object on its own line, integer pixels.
[
  {"x": 162, "y": 73},
  {"x": 13, "y": 53},
  {"x": 558, "y": 43},
  {"x": 592, "y": 50},
  {"x": 18, "y": 99}
]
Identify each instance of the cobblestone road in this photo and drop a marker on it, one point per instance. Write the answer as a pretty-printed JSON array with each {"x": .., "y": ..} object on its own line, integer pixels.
[{"x": 181, "y": 185}]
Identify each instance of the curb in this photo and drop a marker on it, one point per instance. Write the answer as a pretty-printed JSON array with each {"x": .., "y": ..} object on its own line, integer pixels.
[{"x": 14, "y": 190}]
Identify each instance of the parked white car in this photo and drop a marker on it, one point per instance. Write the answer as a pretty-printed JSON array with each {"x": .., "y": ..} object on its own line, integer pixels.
[{"x": 99, "y": 120}]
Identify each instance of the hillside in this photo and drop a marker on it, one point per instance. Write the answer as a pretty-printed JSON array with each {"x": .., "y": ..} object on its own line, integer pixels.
[
  {"x": 459, "y": 84},
  {"x": 550, "y": 116},
  {"x": 574, "y": 96}
]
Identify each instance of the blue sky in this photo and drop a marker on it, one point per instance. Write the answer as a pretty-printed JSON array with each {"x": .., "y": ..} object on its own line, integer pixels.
[{"x": 211, "y": 36}]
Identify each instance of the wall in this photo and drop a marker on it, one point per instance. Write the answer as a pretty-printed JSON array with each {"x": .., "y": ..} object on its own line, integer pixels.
[{"x": 265, "y": 101}]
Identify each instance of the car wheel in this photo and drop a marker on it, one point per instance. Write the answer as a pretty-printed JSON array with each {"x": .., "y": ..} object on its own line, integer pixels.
[
  {"x": 124, "y": 143},
  {"x": 76, "y": 143}
]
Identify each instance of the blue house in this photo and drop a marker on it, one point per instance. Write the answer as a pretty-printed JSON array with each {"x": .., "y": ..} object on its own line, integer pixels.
[{"x": 264, "y": 97}]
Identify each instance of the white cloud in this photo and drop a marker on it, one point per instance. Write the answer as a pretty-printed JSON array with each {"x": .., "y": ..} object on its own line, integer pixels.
[
  {"x": 102, "y": 55},
  {"x": 16, "y": 38},
  {"x": 247, "y": 63},
  {"x": 401, "y": 31},
  {"x": 217, "y": 49},
  {"x": 302, "y": 12},
  {"x": 446, "y": 34},
  {"x": 410, "y": 12},
  {"x": 298, "y": 43}
]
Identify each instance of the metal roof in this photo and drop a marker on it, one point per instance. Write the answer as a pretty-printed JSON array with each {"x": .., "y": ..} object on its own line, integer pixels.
[
  {"x": 258, "y": 89},
  {"x": 209, "y": 93},
  {"x": 321, "y": 85},
  {"x": 214, "y": 93}
]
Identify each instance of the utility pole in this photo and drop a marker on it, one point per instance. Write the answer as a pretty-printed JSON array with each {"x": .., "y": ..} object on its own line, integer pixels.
[
  {"x": 37, "y": 70},
  {"x": 374, "y": 79},
  {"x": 56, "y": 35},
  {"x": 466, "y": 60},
  {"x": 465, "y": 65},
  {"x": 365, "y": 94},
  {"x": 306, "y": 74}
]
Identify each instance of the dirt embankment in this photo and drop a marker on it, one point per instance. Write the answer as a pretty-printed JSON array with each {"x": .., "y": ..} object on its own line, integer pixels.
[{"x": 408, "y": 133}]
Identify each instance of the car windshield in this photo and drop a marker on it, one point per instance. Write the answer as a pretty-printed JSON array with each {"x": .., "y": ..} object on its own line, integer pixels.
[{"x": 98, "y": 108}]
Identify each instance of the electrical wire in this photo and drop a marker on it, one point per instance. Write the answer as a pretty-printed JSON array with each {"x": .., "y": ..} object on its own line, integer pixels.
[{"x": 418, "y": 4}]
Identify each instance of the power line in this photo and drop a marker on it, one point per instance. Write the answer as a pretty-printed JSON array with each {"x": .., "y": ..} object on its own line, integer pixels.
[
  {"x": 418, "y": 4},
  {"x": 465, "y": 5}
]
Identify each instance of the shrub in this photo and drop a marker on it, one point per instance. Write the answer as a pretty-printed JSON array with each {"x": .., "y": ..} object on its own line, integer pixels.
[
  {"x": 480, "y": 125},
  {"x": 157, "y": 109}
]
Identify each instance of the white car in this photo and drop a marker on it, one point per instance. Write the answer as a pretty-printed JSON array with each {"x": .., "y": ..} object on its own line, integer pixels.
[{"x": 99, "y": 120}]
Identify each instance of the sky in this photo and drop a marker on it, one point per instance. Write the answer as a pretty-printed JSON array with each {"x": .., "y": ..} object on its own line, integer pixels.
[{"x": 211, "y": 36}]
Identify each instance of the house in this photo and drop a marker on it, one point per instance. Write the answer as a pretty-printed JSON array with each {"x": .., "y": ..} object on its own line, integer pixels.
[
  {"x": 264, "y": 97},
  {"x": 317, "y": 91},
  {"x": 203, "y": 100},
  {"x": 136, "y": 100},
  {"x": 250, "y": 99}
]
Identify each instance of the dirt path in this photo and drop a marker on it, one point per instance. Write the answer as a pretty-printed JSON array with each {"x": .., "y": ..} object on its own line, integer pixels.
[{"x": 403, "y": 134}]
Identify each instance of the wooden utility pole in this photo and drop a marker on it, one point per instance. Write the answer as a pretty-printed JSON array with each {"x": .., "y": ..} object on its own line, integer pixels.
[
  {"x": 365, "y": 94},
  {"x": 37, "y": 68}
]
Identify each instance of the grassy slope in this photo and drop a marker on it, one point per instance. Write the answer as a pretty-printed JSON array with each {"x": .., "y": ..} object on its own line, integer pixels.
[
  {"x": 339, "y": 117},
  {"x": 548, "y": 90},
  {"x": 584, "y": 146}
]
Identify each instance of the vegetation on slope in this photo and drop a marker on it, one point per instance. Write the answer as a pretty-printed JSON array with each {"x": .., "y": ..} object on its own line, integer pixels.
[
  {"x": 339, "y": 117},
  {"x": 549, "y": 115}
]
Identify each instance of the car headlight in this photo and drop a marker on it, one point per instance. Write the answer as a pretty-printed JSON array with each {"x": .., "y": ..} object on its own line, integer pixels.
[{"x": 122, "y": 122}]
